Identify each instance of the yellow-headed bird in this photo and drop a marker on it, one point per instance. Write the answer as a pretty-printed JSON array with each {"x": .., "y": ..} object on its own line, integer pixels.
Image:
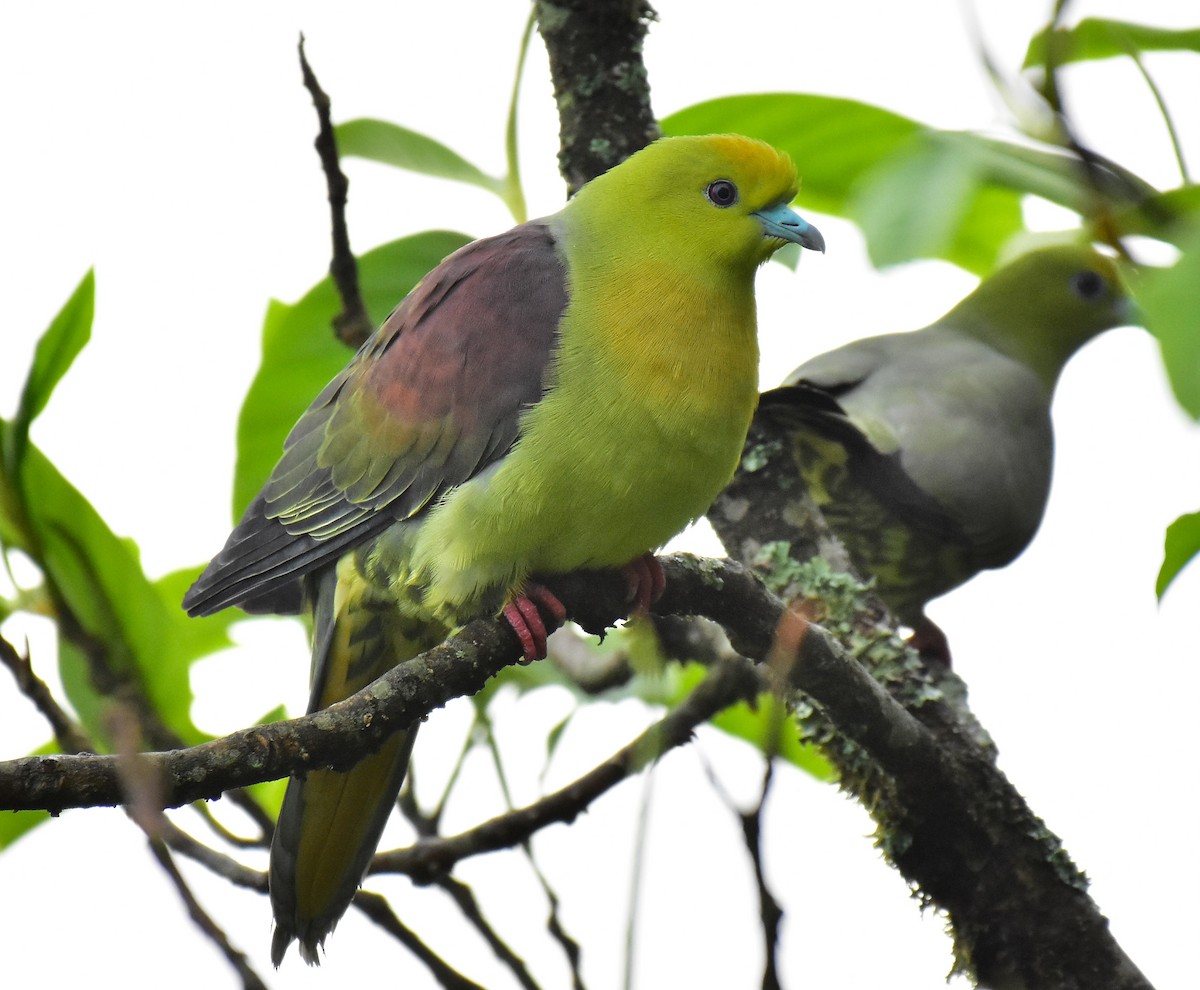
[
  {"x": 930, "y": 452},
  {"x": 569, "y": 394}
]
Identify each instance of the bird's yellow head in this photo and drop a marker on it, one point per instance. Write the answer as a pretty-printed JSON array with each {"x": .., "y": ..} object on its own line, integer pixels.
[{"x": 714, "y": 198}]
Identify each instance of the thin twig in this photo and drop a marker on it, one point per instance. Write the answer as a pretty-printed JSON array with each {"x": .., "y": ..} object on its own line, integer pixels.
[
  {"x": 464, "y": 899},
  {"x": 203, "y": 921},
  {"x": 635, "y": 880},
  {"x": 216, "y": 862},
  {"x": 428, "y": 859},
  {"x": 69, "y": 734},
  {"x": 353, "y": 324},
  {"x": 1172, "y": 132},
  {"x": 260, "y": 841},
  {"x": 379, "y": 911},
  {"x": 769, "y": 910}
]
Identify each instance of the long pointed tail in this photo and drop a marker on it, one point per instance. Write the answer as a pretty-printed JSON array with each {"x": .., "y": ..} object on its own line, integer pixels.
[{"x": 330, "y": 823}]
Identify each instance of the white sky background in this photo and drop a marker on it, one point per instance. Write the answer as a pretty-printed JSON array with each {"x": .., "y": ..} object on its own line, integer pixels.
[{"x": 172, "y": 150}]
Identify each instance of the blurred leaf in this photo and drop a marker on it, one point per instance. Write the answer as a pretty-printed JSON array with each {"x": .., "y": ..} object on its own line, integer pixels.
[
  {"x": 1095, "y": 38},
  {"x": 513, "y": 195},
  {"x": 99, "y": 578},
  {"x": 1051, "y": 173},
  {"x": 916, "y": 192},
  {"x": 1170, "y": 302},
  {"x": 56, "y": 350},
  {"x": 760, "y": 724},
  {"x": 200, "y": 636},
  {"x": 788, "y": 256},
  {"x": 269, "y": 795},
  {"x": 14, "y": 824},
  {"x": 58, "y": 347},
  {"x": 1181, "y": 546},
  {"x": 833, "y": 141},
  {"x": 391, "y": 144},
  {"x": 929, "y": 201},
  {"x": 1162, "y": 216},
  {"x": 301, "y": 353},
  {"x": 555, "y": 737}
]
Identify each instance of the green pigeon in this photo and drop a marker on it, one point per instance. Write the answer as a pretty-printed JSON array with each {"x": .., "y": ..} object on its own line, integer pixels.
[
  {"x": 930, "y": 453},
  {"x": 566, "y": 395}
]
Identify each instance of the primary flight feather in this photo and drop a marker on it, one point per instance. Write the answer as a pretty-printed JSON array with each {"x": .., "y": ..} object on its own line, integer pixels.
[
  {"x": 930, "y": 452},
  {"x": 569, "y": 394}
]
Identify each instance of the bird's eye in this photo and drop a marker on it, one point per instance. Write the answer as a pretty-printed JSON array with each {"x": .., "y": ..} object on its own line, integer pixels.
[
  {"x": 722, "y": 193},
  {"x": 1088, "y": 285}
]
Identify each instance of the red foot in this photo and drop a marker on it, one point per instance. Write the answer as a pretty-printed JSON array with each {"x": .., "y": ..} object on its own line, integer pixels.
[
  {"x": 646, "y": 581},
  {"x": 526, "y": 621},
  {"x": 929, "y": 641}
]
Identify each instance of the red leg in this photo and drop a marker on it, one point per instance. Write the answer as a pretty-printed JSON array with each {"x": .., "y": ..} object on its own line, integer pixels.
[
  {"x": 646, "y": 581},
  {"x": 523, "y": 615}
]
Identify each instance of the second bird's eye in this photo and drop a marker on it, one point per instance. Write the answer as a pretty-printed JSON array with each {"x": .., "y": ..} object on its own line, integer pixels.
[
  {"x": 722, "y": 193},
  {"x": 1088, "y": 285}
]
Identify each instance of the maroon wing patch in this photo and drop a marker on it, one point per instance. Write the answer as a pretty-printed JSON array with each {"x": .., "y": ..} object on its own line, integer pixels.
[{"x": 431, "y": 399}]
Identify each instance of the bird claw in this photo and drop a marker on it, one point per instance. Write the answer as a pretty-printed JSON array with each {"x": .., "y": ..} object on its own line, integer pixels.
[
  {"x": 646, "y": 581},
  {"x": 931, "y": 643},
  {"x": 523, "y": 615}
]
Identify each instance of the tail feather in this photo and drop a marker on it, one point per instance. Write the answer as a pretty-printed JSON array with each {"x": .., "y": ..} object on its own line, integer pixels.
[
  {"x": 331, "y": 822},
  {"x": 329, "y": 827}
]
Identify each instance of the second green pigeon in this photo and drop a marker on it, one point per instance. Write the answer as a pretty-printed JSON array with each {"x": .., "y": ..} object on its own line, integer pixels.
[{"x": 930, "y": 453}]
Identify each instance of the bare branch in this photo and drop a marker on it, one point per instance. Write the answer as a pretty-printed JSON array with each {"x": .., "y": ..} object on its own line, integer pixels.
[
  {"x": 464, "y": 898},
  {"x": 380, "y": 912},
  {"x": 600, "y": 82},
  {"x": 237, "y": 959},
  {"x": 353, "y": 324},
  {"x": 430, "y": 858},
  {"x": 948, "y": 819},
  {"x": 69, "y": 734}
]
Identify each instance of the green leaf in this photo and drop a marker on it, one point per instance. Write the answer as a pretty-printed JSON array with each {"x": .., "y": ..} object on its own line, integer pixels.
[
  {"x": 1170, "y": 302},
  {"x": 301, "y": 353},
  {"x": 57, "y": 349},
  {"x": 915, "y": 191},
  {"x": 1182, "y": 544},
  {"x": 1162, "y": 216},
  {"x": 762, "y": 724},
  {"x": 513, "y": 194},
  {"x": 834, "y": 141},
  {"x": 195, "y": 637},
  {"x": 14, "y": 824},
  {"x": 391, "y": 144},
  {"x": 98, "y": 577},
  {"x": 1097, "y": 38},
  {"x": 926, "y": 202},
  {"x": 865, "y": 163}
]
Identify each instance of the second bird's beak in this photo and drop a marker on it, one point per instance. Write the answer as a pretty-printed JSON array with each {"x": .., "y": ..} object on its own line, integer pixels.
[{"x": 782, "y": 222}]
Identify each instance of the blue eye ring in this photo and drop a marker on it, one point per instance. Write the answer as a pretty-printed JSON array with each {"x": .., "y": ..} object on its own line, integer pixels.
[{"x": 721, "y": 193}]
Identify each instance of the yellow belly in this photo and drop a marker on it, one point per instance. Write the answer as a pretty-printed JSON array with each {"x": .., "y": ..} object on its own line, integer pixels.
[{"x": 624, "y": 451}]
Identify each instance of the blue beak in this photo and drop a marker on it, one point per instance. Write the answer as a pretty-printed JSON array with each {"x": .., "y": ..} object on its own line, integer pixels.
[{"x": 780, "y": 221}]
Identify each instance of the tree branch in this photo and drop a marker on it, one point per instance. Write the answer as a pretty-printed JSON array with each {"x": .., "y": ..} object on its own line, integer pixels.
[
  {"x": 949, "y": 818},
  {"x": 600, "y": 82},
  {"x": 379, "y": 911},
  {"x": 952, "y": 824},
  {"x": 433, "y": 857},
  {"x": 236, "y": 958},
  {"x": 353, "y": 324},
  {"x": 68, "y": 733}
]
